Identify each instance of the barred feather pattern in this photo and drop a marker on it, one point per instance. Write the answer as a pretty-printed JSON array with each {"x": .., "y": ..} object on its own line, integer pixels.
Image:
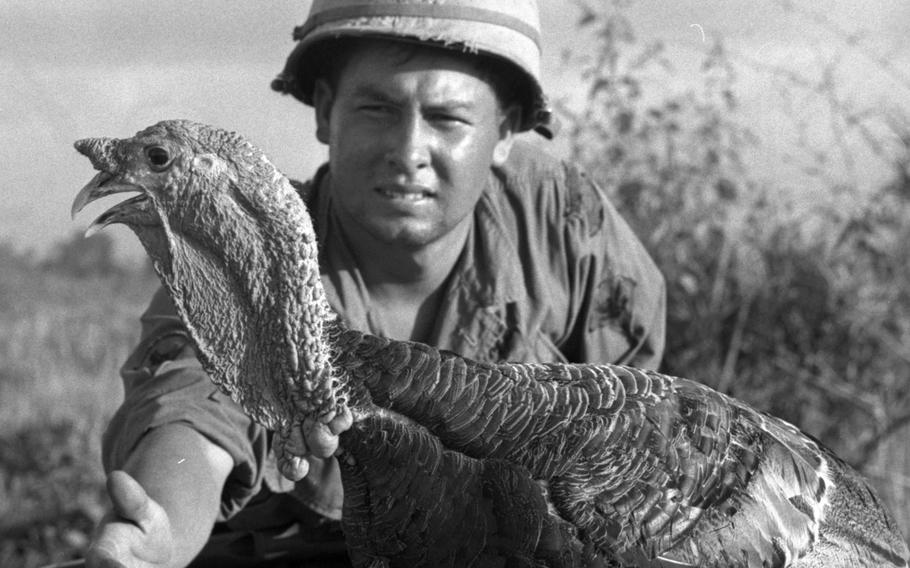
[{"x": 636, "y": 468}]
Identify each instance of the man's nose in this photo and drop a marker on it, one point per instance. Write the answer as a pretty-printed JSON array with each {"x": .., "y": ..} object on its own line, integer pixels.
[{"x": 410, "y": 151}]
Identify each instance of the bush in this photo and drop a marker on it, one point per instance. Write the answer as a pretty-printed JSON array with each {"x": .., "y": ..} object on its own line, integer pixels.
[
  {"x": 801, "y": 310},
  {"x": 82, "y": 257},
  {"x": 63, "y": 336}
]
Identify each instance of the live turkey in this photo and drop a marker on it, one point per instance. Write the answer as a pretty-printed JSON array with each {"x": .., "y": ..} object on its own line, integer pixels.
[{"x": 450, "y": 462}]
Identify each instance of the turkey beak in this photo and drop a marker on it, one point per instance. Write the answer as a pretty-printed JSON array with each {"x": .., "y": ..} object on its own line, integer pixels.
[
  {"x": 101, "y": 153},
  {"x": 93, "y": 190}
]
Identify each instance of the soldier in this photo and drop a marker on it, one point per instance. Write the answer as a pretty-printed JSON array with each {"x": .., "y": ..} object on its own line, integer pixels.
[{"x": 436, "y": 224}]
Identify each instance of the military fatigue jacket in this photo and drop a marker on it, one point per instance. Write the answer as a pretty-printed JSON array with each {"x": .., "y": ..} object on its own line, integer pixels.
[{"x": 549, "y": 272}]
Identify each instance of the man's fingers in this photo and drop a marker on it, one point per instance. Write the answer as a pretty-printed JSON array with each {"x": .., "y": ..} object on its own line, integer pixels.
[
  {"x": 319, "y": 438},
  {"x": 292, "y": 467},
  {"x": 136, "y": 532},
  {"x": 102, "y": 557},
  {"x": 342, "y": 421},
  {"x": 311, "y": 439},
  {"x": 291, "y": 452},
  {"x": 129, "y": 499}
]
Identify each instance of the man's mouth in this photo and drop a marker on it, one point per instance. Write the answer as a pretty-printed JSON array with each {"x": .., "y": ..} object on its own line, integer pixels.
[{"x": 410, "y": 193}]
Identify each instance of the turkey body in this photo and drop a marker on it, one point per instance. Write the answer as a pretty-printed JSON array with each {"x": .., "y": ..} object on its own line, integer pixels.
[
  {"x": 457, "y": 463},
  {"x": 450, "y": 462}
]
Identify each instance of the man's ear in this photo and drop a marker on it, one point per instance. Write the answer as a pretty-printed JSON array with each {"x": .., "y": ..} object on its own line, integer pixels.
[
  {"x": 508, "y": 127},
  {"x": 323, "y": 99}
]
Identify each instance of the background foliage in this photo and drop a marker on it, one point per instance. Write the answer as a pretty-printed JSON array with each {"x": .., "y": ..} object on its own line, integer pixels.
[
  {"x": 801, "y": 307},
  {"x": 66, "y": 325}
]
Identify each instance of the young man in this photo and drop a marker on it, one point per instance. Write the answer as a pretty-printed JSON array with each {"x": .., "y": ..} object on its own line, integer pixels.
[{"x": 436, "y": 225}]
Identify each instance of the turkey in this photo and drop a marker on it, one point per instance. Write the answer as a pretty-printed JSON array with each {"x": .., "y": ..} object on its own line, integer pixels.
[{"x": 450, "y": 462}]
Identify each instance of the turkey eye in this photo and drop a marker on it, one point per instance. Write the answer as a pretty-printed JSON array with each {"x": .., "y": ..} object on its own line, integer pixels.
[{"x": 158, "y": 156}]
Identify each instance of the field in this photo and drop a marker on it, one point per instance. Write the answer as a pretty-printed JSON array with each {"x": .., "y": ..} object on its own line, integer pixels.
[{"x": 62, "y": 339}]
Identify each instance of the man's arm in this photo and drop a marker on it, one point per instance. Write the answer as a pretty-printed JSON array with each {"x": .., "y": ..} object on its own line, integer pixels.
[
  {"x": 165, "y": 501},
  {"x": 179, "y": 453}
]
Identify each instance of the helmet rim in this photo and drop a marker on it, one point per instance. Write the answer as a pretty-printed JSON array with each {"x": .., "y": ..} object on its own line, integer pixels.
[{"x": 510, "y": 32}]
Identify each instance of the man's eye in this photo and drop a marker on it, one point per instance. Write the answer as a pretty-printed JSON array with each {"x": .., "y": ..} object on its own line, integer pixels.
[
  {"x": 376, "y": 109},
  {"x": 451, "y": 119}
]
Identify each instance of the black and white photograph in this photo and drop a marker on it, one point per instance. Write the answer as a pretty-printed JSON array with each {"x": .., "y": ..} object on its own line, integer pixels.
[{"x": 455, "y": 283}]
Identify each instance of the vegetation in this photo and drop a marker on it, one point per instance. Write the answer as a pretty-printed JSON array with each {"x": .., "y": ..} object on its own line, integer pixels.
[
  {"x": 800, "y": 307},
  {"x": 66, "y": 325}
]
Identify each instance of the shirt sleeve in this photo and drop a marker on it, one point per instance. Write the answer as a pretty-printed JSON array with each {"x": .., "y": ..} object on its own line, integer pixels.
[
  {"x": 618, "y": 291},
  {"x": 164, "y": 383}
]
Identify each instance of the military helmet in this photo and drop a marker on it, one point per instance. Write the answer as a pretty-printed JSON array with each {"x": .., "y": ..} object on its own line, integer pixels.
[{"x": 506, "y": 29}]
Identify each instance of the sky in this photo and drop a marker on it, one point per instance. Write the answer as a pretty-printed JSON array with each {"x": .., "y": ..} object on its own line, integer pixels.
[{"x": 70, "y": 70}]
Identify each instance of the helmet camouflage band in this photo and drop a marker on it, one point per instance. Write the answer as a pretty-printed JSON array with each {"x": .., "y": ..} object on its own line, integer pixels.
[{"x": 507, "y": 29}]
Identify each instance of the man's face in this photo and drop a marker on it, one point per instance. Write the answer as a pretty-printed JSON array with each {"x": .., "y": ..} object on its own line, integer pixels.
[{"x": 411, "y": 136}]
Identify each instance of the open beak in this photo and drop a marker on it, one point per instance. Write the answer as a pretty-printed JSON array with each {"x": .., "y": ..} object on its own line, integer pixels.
[{"x": 136, "y": 210}]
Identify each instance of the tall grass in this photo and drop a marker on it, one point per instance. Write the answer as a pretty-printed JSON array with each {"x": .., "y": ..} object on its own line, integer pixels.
[{"x": 62, "y": 340}]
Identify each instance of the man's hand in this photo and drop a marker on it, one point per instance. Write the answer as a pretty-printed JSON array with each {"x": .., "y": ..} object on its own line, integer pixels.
[
  {"x": 136, "y": 533},
  {"x": 311, "y": 440}
]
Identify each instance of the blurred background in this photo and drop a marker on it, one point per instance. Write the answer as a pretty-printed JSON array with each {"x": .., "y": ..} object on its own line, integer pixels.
[{"x": 761, "y": 150}]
